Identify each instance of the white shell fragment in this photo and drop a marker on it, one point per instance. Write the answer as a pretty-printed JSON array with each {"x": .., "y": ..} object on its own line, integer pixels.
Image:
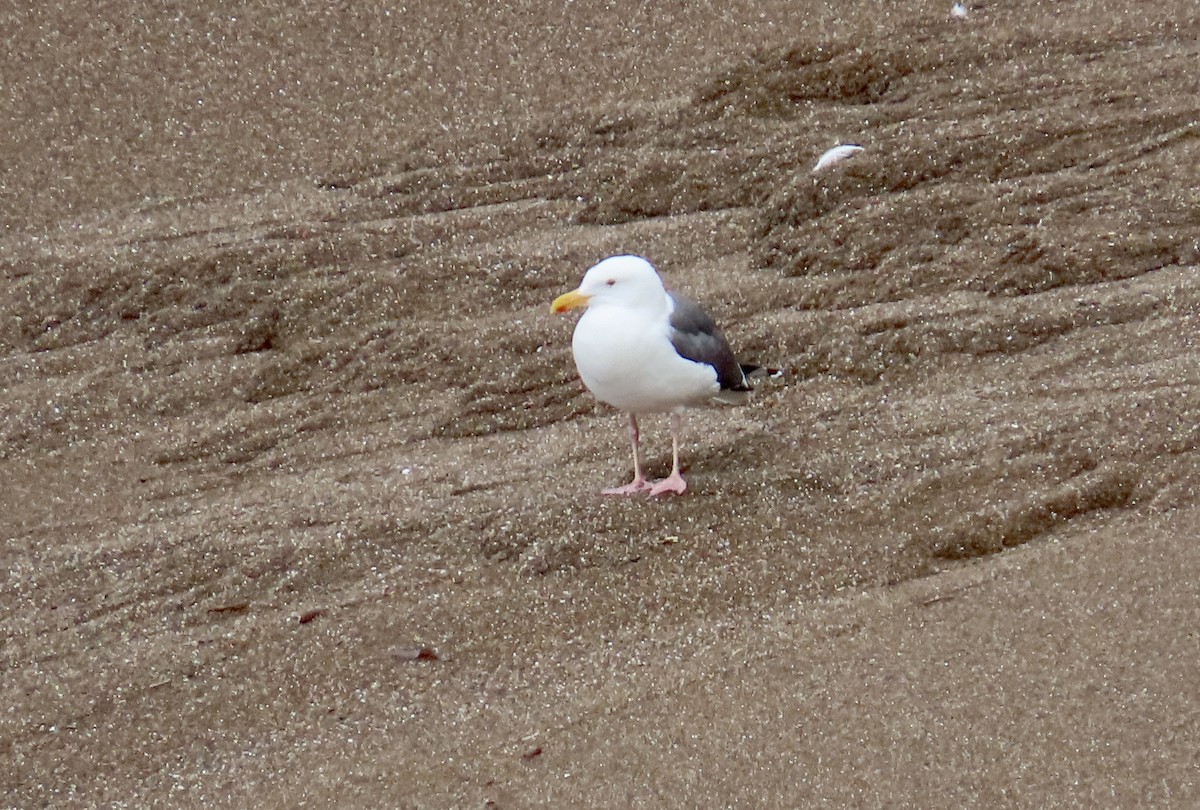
[
  {"x": 836, "y": 154},
  {"x": 958, "y": 11}
]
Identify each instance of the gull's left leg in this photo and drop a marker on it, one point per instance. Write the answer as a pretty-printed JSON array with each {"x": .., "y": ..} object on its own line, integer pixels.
[{"x": 674, "y": 482}]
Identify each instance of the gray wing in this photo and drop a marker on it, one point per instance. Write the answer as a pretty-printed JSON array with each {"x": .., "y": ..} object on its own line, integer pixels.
[{"x": 696, "y": 337}]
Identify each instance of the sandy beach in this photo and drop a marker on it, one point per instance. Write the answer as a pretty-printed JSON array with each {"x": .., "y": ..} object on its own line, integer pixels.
[{"x": 299, "y": 501}]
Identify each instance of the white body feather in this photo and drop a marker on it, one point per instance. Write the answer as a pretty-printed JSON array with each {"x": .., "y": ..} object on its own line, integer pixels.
[
  {"x": 626, "y": 359},
  {"x": 836, "y": 155}
]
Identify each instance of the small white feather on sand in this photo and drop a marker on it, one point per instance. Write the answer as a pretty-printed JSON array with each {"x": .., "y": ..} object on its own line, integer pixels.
[
  {"x": 836, "y": 154},
  {"x": 958, "y": 11}
]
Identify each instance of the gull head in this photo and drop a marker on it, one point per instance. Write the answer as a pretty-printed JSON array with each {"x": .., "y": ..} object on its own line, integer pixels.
[{"x": 624, "y": 281}]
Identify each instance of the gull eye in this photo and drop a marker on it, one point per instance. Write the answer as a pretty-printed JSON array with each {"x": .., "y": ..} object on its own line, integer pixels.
[{"x": 610, "y": 282}]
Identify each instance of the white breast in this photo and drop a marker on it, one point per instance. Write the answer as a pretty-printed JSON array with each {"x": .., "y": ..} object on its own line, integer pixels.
[{"x": 628, "y": 361}]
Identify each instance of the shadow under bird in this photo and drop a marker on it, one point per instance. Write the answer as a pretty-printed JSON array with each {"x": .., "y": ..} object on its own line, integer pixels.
[{"x": 644, "y": 350}]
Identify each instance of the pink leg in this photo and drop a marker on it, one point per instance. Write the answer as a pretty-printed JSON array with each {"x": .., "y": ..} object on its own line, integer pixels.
[
  {"x": 639, "y": 482},
  {"x": 673, "y": 483}
]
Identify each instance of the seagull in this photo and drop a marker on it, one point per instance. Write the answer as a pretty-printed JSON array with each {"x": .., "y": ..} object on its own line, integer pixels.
[{"x": 645, "y": 350}]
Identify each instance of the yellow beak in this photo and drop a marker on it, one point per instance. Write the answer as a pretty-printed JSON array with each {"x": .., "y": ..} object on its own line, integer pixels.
[{"x": 570, "y": 300}]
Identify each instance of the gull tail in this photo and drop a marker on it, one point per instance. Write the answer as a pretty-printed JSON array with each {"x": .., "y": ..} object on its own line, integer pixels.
[{"x": 740, "y": 396}]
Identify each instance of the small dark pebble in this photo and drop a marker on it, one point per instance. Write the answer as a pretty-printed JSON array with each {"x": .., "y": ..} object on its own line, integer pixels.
[
  {"x": 415, "y": 654},
  {"x": 240, "y": 607},
  {"x": 308, "y": 615}
]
